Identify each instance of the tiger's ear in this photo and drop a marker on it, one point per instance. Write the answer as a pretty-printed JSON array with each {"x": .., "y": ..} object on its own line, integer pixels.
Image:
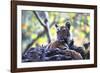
[
  {"x": 68, "y": 25},
  {"x": 57, "y": 27}
]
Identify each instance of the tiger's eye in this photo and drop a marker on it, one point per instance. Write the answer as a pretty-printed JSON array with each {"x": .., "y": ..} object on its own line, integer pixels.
[{"x": 64, "y": 48}]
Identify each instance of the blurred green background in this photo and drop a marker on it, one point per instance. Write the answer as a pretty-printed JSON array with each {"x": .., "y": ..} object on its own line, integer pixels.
[{"x": 34, "y": 32}]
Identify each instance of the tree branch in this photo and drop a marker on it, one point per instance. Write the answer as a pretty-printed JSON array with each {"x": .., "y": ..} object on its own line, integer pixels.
[
  {"x": 39, "y": 19},
  {"x": 40, "y": 34}
]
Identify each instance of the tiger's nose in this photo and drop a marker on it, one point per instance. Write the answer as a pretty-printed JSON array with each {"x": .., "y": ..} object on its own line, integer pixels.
[{"x": 64, "y": 29}]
